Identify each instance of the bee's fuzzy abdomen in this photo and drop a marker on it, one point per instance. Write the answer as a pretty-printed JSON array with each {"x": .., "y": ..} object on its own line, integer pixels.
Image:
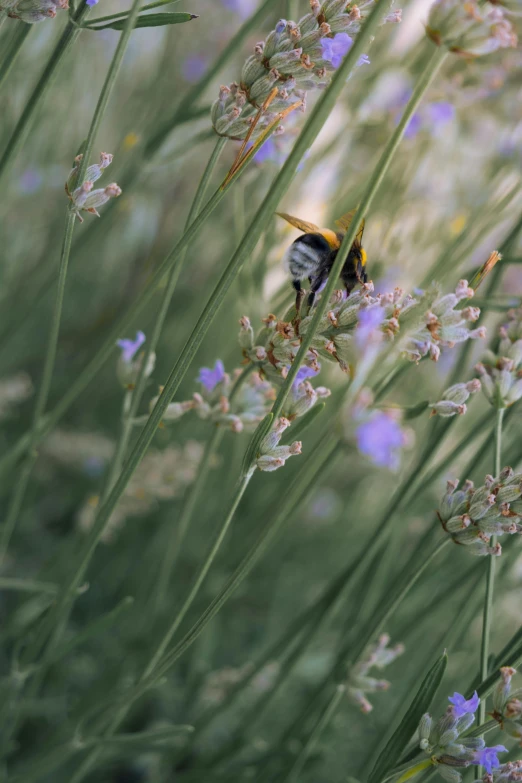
[{"x": 306, "y": 255}]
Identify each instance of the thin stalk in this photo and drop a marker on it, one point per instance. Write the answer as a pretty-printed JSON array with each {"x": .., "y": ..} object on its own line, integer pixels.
[
  {"x": 67, "y": 39},
  {"x": 324, "y": 720},
  {"x": 12, "y": 50},
  {"x": 52, "y": 344},
  {"x": 59, "y": 613},
  {"x": 371, "y": 633},
  {"x": 426, "y": 78},
  {"x": 490, "y": 578},
  {"x": 17, "y": 497},
  {"x": 139, "y": 388},
  {"x": 92, "y": 758},
  {"x": 195, "y": 491}
]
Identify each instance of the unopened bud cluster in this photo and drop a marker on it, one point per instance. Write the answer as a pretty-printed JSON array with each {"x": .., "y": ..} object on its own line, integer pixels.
[
  {"x": 292, "y": 60},
  {"x": 274, "y": 349},
  {"x": 443, "y": 325},
  {"x": 472, "y": 516},
  {"x": 271, "y": 455},
  {"x": 32, "y": 11},
  {"x": 378, "y": 656},
  {"x": 507, "y": 706},
  {"x": 242, "y": 411},
  {"x": 472, "y": 28},
  {"x": 453, "y": 399},
  {"x": 83, "y": 197},
  {"x": 501, "y": 370},
  {"x": 450, "y": 752}
]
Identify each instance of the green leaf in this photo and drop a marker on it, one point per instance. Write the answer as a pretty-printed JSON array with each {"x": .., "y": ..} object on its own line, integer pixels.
[
  {"x": 409, "y": 723},
  {"x": 149, "y": 20}
]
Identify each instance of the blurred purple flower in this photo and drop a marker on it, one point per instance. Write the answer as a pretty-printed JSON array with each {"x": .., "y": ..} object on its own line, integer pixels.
[
  {"x": 487, "y": 757},
  {"x": 130, "y": 347},
  {"x": 194, "y": 66},
  {"x": 368, "y": 328},
  {"x": 303, "y": 374},
  {"x": 380, "y": 438},
  {"x": 430, "y": 117},
  {"x": 91, "y": 2},
  {"x": 242, "y": 7},
  {"x": 334, "y": 49},
  {"x": 210, "y": 378},
  {"x": 267, "y": 151},
  {"x": 461, "y": 706},
  {"x": 30, "y": 180}
]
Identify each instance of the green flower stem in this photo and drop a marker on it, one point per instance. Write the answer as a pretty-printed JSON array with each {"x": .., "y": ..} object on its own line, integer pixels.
[
  {"x": 91, "y": 759},
  {"x": 161, "y": 661},
  {"x": 376, "y": 179},
  {"x": 27, "y": 585},
  {"x": 490, "y": 578},
  {"x": 13, "y": 47},
  {"x": 58, "y": 615},
  {"x": 325, "y": 718},
  {"x": 195, "y": 492},
  {"x": 137, "y": 394},
  {"x": 67, "y": 39},
  {"x": 377, "y": 625},
  {"x": 52, "y": 345},
  {"x": 22, "y": 481}
]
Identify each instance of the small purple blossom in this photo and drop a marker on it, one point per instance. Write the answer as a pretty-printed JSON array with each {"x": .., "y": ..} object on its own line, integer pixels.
[
  {"x": 194, "y": 66},
  {"x": 440, "y": 113},
  {"x": 130, "y": 347},
  {"x": 91, "y": 2},
  {"x": 267, "y": 151},
  {"x": 487, "y": 757},
  {"x": 380, "y": 438},
  {"x": 368, "y": 330},
  {"x": 430, "y": 117},
  {"x": 461, "y": 706},
  {"x": 303, "y": 374},
  {"x": 209, "y": 378},
  {"x": 334, "y": 49}
]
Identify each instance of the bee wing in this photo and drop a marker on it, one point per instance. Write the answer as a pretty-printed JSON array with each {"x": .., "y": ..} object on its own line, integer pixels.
[
  {"x": 302, "y": 225},
  {"x": 344, "y": 223}
]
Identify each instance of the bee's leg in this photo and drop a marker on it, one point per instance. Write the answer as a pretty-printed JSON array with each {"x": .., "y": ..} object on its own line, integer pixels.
[
  {"x": 299, "y": 295},
  {"x": 315, "y": 284}
]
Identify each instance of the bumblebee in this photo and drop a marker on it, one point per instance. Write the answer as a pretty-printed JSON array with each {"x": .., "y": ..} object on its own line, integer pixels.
[{"x": 312, "y": 255}]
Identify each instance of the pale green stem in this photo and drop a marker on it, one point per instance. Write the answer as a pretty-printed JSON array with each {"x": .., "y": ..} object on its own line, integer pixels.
[
  {"x": 371, "y": 633},
  {"x": 156, "y": 658},
  {"x": 423, "y": 83},
  {"x": 195, "y": 492},
  {"x": 27, "y": 585},
  {"x": 13, "y": 47},
  {"x": 328, "y": 713},
  {"x": 43, "y": 392},
  {"x": 139, "y": 388},
  {"x": 59, "y": 613},
  {"x": 68, "y": 37},
  {"x": 490, "y": 578}
]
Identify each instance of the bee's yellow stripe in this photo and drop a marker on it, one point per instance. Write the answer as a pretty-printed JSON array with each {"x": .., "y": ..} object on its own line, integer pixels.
[
  {"x": 364, "y": 257},
  {"x": 331, "y": 237}
]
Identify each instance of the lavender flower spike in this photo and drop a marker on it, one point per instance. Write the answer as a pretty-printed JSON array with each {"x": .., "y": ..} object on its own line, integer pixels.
[
  {"x": 461, "y": 706},
  {"x": 130, "y": 347},
  {"x": 209, "y": 378},
  {"x": 487, "y": 757}
]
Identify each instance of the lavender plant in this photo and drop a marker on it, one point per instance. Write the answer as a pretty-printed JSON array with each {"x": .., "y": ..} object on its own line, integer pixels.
[{"x": 179, "y": 598}]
